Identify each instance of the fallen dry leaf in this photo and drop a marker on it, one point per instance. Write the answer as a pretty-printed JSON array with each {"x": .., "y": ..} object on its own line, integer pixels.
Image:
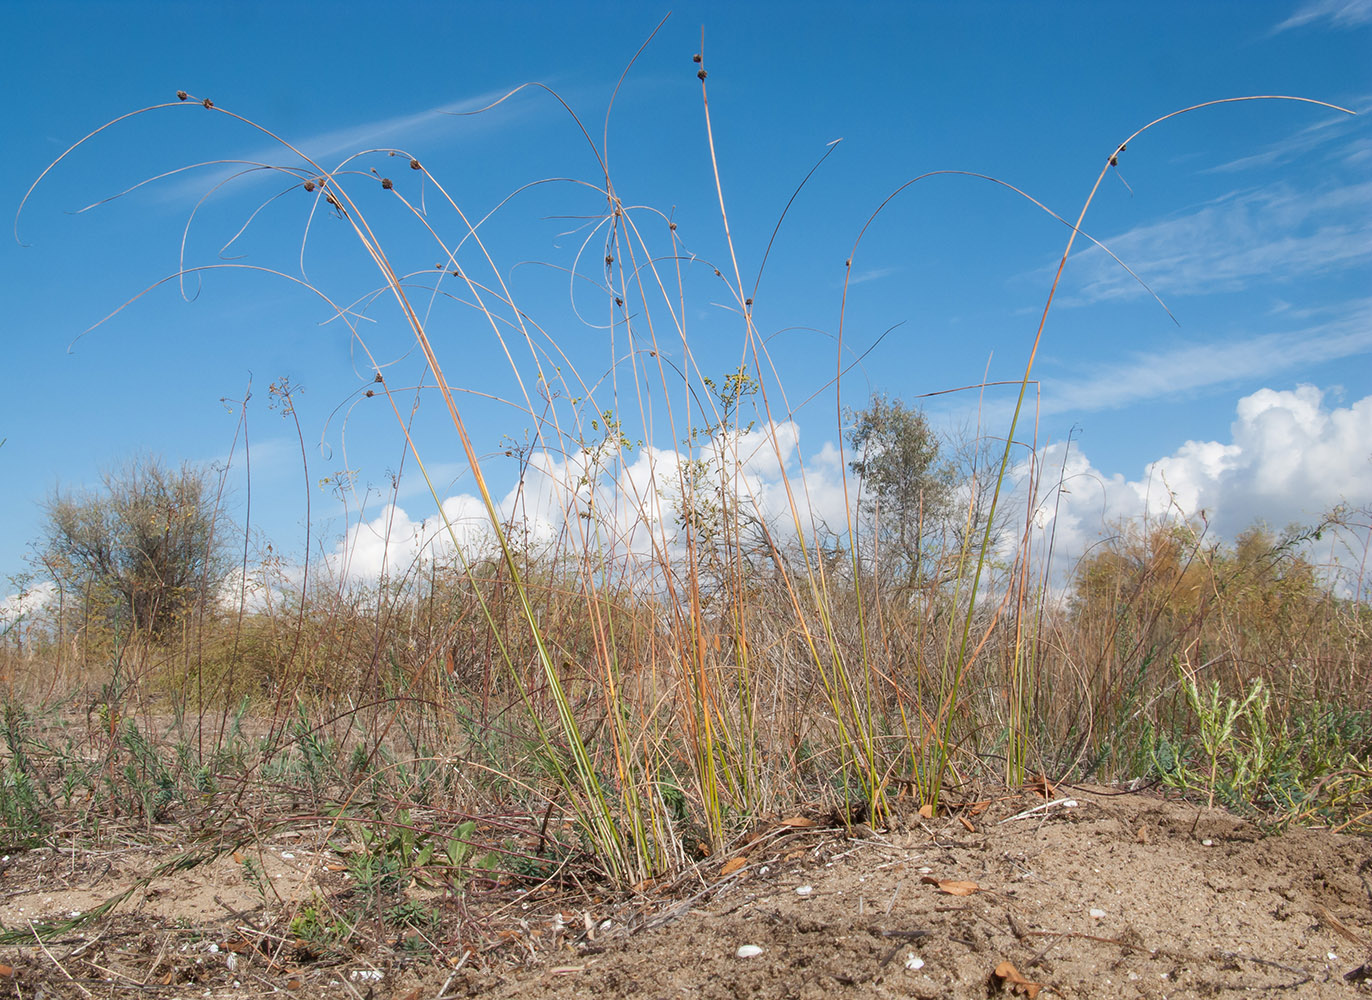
[
  {"x": 732, "y": 865},
  {"x": 927, "y": 811},
  {"x": 6, "y": 972},
  {"x": 977, "y": 808},
  {"x": 968, "y": 824},
  {"x": 952, "y": 887},
  {"x": 1009, "y": 977},
  {"x": 1039, "y": 783},
  {"x": 797, "y": 822},
  {"x": 237, "y": 858}
]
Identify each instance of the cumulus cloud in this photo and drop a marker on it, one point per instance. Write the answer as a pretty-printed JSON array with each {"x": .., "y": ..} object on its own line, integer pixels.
[
  {"x": 1291, "y": 457},
  {"x": 628, "y": 507}
]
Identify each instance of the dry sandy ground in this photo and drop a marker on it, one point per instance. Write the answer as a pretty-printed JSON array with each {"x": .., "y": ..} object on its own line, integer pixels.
[{"x": 1119, "y": 895}]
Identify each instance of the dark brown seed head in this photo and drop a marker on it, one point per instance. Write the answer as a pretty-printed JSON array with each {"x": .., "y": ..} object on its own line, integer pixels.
[
  {"x": 671, "y": 226},
  {"x": 309, "y": 185},
  {"x": 701, "y": 74},
  {"x": 747, "y": 302},
  {"x": 618, "y": 301},
  {"x": 717, "y": 274},
  {"x": 208, "y": 103},
  {"x": 386, "y": 184},
  {"x": 379, "y": 378},
  {"x": 414, "y": 164},
  {"x": 369, "y": 394},
  {"x": 609, "y": 260},
  {"x": 181, "y": 95},
  {"x": 696, "y": 57}
]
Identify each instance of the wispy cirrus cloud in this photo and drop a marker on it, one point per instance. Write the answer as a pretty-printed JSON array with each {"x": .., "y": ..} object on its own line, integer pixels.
[
  {"x": 1142, "y": 377},
  {"x": 1316, "y": 136},
  {"x": 873, "y": 274},
  {"x": 329, "y": 146},
  {"x": 1273, "y": 233},
  {"x": 1343, "y": 14}
]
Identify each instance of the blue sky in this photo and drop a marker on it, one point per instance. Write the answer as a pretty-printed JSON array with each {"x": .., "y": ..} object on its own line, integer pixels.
[{"x": 1253, "y": 222}]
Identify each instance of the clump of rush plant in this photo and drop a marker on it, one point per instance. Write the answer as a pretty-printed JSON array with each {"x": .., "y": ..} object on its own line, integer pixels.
[{"x": 636, "y": 655}]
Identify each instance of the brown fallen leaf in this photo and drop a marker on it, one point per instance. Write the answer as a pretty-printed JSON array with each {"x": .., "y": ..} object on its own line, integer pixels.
[
  {"x": 799, "y": 852},
  {"x": 977, "y": 808},
  {"x": 6, "y": 972},
  {"x": 1009, "y": 977},
  {"x": 968, "y": 824},
  {"x": 732, "y": 865},
  {"x": 927, "y": 811},
  {"x": 952, "y": 887},
  {"x": 797, "y": 822},
  {"x": 237, "y": 857}
]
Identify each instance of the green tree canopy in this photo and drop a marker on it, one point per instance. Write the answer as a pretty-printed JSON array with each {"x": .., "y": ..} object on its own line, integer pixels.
[
  {"x": 907, "y": 488},
  {"x": 140, "y": 550}
]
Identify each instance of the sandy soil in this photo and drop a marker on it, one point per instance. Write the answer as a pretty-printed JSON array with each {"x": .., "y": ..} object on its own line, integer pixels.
[{"x": 1120, "y": 894}]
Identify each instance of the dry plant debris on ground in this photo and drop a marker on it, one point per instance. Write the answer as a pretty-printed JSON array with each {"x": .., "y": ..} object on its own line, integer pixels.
[{"x": 1089, "y": 892}]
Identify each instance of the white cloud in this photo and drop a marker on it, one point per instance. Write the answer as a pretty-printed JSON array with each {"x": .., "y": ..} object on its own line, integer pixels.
[
  {"x": 1272, "y": 234},
  {"x": 1291, "y": 458},
  {"x": 27, "y": 605},
  {"x": 627, "y": 507},
  {"x": 1193, "y": 366},
  {"x": 328, "y": 146},
  {"x": 1311, "y": 137},
  {"x": 1339, "y": 14}
]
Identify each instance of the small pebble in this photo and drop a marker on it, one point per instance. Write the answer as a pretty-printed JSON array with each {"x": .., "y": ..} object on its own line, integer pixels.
[
  {"x": 1097, "y": 914},
  {"x": 804, "y": 890},
  {"x": 748, "y": 951}
]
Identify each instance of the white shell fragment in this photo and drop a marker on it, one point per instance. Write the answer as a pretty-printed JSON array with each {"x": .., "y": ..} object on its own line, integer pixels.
[
  {"x": 1097, "y": 913},
  {"x": 913, "y": 962},
  {"x": 748, "y": 951},
  {"x": 804, "y": 890}
]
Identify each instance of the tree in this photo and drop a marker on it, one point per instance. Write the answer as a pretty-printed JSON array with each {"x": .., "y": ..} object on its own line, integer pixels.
[
  {"x": 139, "y": 551},
  {"x": 908, "y": 489}
]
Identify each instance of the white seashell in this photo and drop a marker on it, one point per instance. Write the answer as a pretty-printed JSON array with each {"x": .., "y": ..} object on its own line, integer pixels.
[{"x": 748, "y": 951}]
